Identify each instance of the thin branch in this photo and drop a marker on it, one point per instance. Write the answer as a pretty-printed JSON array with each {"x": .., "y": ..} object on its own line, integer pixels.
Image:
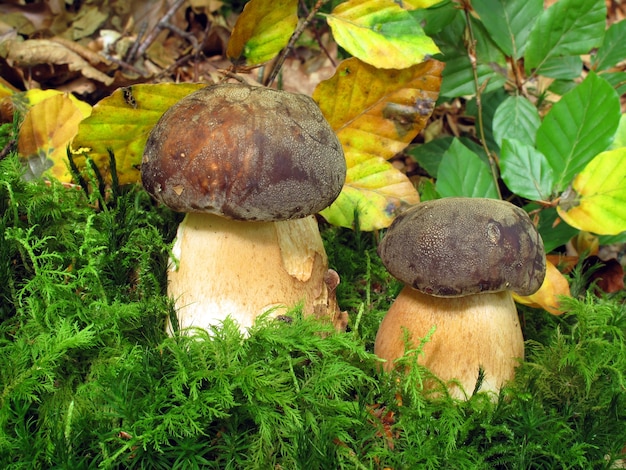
[
  {"x": 292, "y": 41},
  {"x": 162, "y": 24}
]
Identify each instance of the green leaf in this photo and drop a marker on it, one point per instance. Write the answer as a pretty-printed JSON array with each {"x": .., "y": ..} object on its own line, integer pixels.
[
  {"x": 568, "y": 27},
  {"x": 525, "y": 170},
  {"x": 121, "y": 122},
  {"x": 596, "y": 201},
  {"x": 578, "y": 127},
  {"x": 376, "y": 113},
  {"x": 562, "y": 68},
  {"x": 458, "y": 78},
  {"x": 613, "y": 48},
  {"x": 380, "y": 33},
  {"x": 509, "y": 22},
  {"x": 561, "y": 87},
  {"x": 262, "y": 30},
  {"x": 516, "y": 118},
  {"x": 617, "y": 81},
  {"x": 463, "y": 173},
  {"x": 437, "y": 17},
  {"x": 429, "y": 155}
]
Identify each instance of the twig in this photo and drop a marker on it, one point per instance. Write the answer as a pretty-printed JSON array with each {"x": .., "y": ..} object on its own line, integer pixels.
[
  {"x": 127, "y": 66},
  {"x": 162, "y": 24},
  {"x": 292, "y": 41},
  {"x": 131, "y": 55}
]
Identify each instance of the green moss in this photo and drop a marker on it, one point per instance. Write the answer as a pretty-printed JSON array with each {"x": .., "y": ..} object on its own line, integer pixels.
[{"x": 88, "y": 379}]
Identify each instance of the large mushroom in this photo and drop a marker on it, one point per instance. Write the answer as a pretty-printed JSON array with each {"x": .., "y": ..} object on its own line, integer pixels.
[
  {"x": 460, "y": 260},
  {"x": 249, "y": 166}
]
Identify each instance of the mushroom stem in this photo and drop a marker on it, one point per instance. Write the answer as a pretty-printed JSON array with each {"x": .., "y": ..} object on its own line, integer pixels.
[
  {"x": 471, "y": 332},
  {"x": 242, "y": 269}
]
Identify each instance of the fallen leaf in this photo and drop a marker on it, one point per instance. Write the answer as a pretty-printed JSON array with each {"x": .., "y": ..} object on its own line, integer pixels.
[
  {"x": 376, "y": 113},
  {"x": 608, "y": 275},
  {"x": 415, "y": 4},
  {"x": 586, "y": 243},
  {"x": 43, "y": 51},
  {"x": 121, "y": 122},
  {"x": 262, "y": 30},
  {"x": 46, "y": 131},
  {"x": 547, "y": 297},
  {"x": 381, "y": 33}
]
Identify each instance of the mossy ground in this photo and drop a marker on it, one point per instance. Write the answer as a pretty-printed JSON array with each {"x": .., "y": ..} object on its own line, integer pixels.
[{"x": 89, "y": 379}]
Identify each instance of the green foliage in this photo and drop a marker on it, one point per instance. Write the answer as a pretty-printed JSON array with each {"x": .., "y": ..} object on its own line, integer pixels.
[
  {"x": 89, "y": 378},
  {"x": 537, "y": 137}
]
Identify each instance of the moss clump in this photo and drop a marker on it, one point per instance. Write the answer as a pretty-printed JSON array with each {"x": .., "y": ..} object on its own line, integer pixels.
[{"x": 88, "y": 379}]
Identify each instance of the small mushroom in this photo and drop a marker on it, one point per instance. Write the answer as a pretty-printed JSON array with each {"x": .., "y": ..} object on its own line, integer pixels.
[
  {"x": 250, "y": 166},
  {"x": 460, "y": 260}
]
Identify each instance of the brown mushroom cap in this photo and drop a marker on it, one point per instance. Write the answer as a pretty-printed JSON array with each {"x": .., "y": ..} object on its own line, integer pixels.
[
  {"x": 459, "y": 246},
  {"x": 244, "y": 152}
]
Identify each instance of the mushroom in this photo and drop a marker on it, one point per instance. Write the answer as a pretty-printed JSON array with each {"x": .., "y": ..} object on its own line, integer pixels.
[
  {"x": 460, "y": 260},
  {"x": 250, "y": 166}
]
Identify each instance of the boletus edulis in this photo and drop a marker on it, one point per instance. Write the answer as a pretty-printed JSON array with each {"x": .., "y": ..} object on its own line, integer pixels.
[
  {"x": 460, "y": 260},
  {"x": 250, "y": 166}
]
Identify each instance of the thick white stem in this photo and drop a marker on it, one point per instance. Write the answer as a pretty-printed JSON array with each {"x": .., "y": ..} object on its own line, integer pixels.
[
  {"x": 471, "y": 332},
  {"x": 242, "y": 269}
]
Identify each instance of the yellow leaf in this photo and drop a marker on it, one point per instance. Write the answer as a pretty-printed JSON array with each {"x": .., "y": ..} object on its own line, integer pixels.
[
  {"x": 6, "y": 89},
  {"x": 262, "y": 30},
  {"x": 376, "y": 113},
  {"x": 122, "y": 122},
  {"x": 45, "y": 133},
  {"x": 35, "y": 96},
  {"x": 380, "y": 33},
  {"x": 596, "y": 201},
  {"x": 547, "y": 297},
  {"x": 415, "y": 4}
]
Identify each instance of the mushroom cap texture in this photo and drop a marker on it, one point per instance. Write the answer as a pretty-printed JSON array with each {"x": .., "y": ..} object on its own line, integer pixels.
[
  {"x": 453, "y": 247},
  {"x": 246, "y": 153}
]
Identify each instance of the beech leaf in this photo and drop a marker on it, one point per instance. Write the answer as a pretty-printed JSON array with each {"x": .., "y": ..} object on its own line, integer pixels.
[
  {"x": 381, "y": 33},
  {"x": 613, "y": 48},
  {"x": 596, "y": 201},
  {"x": 376, "y": 113},
  {"x": 462, "y": 173},
  {"x": 578, "y": 127},
  {"x": 566, "y": 28},
  {"x": 45, "y": 133},
  {"x": 509, "y": 22},
  {"x": 526, "y": 171},
  {"x": 516, "y": 118},
  {"x": 415, "y": 4},
  {"x": 262, "y": 30},
  {"x": 121, "y": 122}
]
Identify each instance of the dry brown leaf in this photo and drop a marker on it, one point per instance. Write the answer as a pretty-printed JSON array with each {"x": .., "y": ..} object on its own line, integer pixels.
[
  {"x": 43, "y": 51},
  {"x": 608, "y": 275}
]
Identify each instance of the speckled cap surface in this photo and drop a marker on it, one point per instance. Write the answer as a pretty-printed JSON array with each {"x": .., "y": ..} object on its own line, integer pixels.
[
  {"x": 460, "y": 246},
  {"x": 246, "y": 153}
]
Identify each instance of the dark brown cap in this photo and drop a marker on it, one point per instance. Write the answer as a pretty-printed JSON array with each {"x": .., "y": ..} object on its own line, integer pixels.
[
  {"x": 459, "y": 246},
  {"x": 244, "y": 152}
]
